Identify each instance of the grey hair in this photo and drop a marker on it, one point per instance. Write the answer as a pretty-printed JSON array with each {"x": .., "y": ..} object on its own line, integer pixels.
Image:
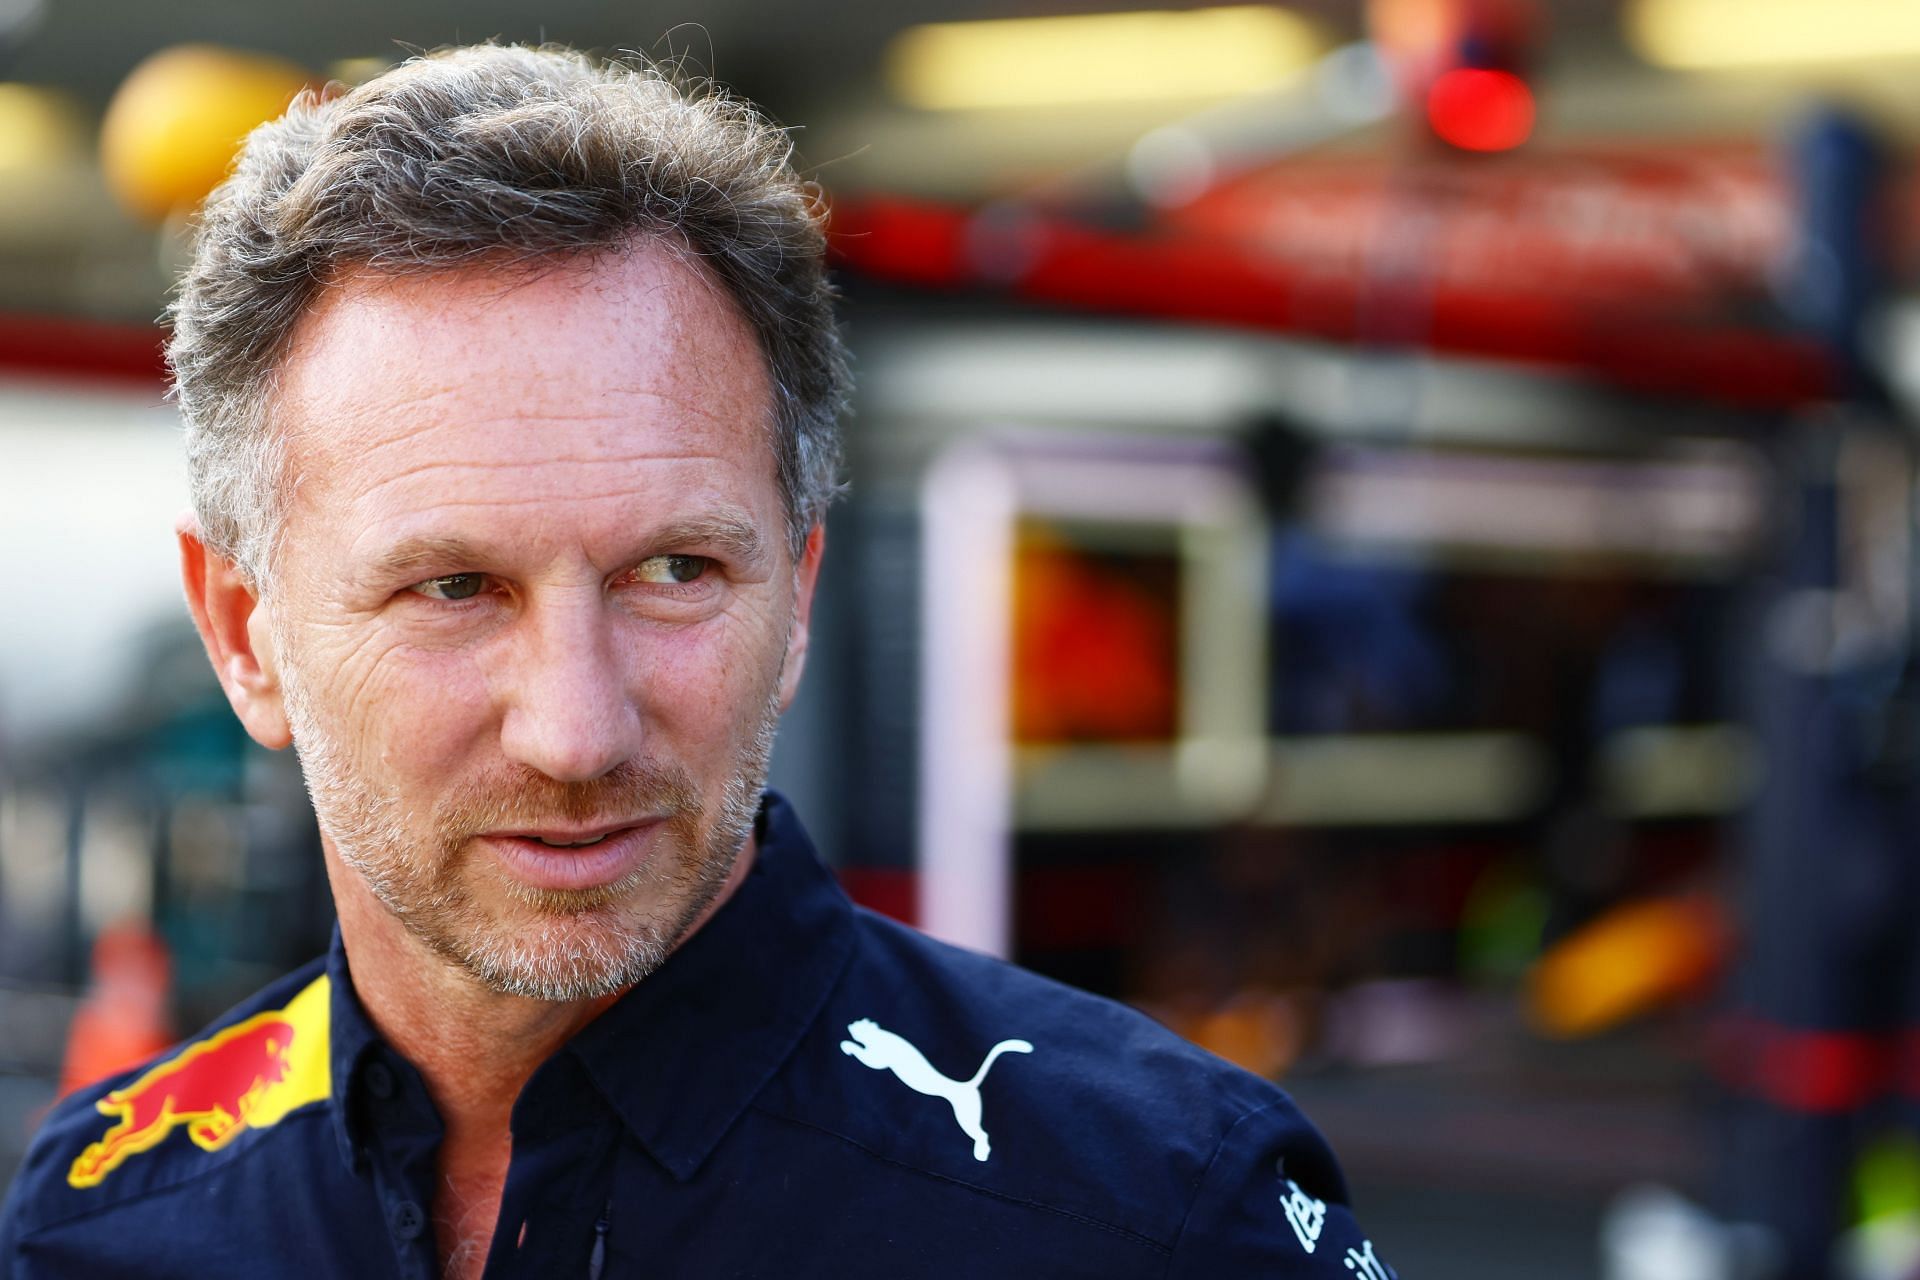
[{"x": 493, "y": 154}]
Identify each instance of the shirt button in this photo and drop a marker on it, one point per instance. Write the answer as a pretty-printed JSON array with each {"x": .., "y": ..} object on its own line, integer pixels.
[
  {"x": 379, "y": 1080},
  {"x": 407, "y": 1220}
]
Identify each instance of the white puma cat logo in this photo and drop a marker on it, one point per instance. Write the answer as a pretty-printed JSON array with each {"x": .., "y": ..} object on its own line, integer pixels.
[{"x": 882, "y": 1050}]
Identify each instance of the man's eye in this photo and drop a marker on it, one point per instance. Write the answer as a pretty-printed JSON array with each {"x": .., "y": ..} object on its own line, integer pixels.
[
  {"x": 455, "y": 586},
  {"x": 670, "y": 569}
]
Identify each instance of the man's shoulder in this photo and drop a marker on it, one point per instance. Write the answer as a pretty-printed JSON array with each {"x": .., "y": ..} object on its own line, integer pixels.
[
  {"x": 186, "y": 1112},
  {"x": 1129, "y": 1056},
  {"x": 1012, "y": 1084}
]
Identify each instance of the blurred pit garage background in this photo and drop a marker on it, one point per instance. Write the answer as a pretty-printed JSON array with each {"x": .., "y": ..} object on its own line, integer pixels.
[{"x": 1381, "y": 533}]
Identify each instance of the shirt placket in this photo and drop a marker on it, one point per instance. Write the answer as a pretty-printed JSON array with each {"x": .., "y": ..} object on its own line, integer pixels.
[
  {"x": 553, "y": 1210},
  {"x": 402, "y": 1140}
]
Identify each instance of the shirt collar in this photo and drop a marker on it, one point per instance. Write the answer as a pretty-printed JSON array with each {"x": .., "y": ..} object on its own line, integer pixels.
[{"x": 680, "y": 1056}]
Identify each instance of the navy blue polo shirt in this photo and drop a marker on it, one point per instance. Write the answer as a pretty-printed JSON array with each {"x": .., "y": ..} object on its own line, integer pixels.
[{"x": 803, "y": 1089}]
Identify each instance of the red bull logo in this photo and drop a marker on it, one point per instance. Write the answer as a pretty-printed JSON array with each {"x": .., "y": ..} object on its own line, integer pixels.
[{"x": 246, "y": 1076}]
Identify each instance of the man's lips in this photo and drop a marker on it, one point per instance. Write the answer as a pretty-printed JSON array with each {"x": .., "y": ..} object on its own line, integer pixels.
[
  {"x": 566, "y": 857},
  {"x": 567, "y": 836}
]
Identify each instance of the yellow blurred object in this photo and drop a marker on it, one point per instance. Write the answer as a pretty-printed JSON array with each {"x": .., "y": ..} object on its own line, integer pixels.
[
  {"x": 1698, "y": 35},
  {"x": 1256, "y": 1030},
  {"x": 1197, "y": 54},
  {"x": 1631, "y": 960},
  {"x": 171, "y": 131},
  {"x": 39, "y": 129}
]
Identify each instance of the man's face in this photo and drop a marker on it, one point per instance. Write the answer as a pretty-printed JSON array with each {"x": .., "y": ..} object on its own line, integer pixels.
[{"x": 535, "y": 592}]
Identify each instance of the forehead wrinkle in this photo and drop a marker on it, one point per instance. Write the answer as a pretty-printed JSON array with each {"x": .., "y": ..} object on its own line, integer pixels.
[
  {"x": 432, "y": 465},
  {"x": 541, "y": 494},
  {"x": 571, "y": 410},
  {"x": 354, "y": 424},
  {"x": 542, "y": 459}
]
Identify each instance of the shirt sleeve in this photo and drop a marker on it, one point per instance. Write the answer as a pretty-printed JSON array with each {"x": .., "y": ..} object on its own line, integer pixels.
[
  {"x": 40, "y": 1180},
  {"x": 1273, "y": 1203}
]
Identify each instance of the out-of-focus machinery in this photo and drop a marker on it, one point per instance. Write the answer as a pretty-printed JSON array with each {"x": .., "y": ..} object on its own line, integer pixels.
[{"x": 1348, "y": 584}]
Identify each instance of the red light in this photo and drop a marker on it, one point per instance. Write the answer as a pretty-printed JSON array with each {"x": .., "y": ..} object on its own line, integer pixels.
[{"x": 1480, "y": 110}]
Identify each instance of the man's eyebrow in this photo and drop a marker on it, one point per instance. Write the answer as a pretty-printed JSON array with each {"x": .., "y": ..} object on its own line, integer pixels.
[
  {"x": 730, "y": 535},
  {"x": 410, "y": 554}
]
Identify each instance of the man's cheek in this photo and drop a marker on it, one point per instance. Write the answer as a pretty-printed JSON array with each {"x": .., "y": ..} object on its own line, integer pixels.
[
  {"x": 423, "y": 708},
  {"x": 703, "y": 680},
  {"x": 340, "y": 659},
  {"x": 699, "y": 655}
]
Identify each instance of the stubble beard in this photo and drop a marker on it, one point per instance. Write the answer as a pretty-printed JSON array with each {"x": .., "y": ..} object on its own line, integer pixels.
[{"x": 562, "y": 944}]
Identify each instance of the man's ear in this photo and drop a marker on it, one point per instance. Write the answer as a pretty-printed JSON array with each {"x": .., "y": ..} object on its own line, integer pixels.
[
  {"x": 805, "y": 574},
  {"x": 232, "y": 625}
]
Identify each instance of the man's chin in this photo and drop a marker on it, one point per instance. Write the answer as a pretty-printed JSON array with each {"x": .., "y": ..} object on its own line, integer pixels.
[
  {"x": 566, "y": 904},
  {"x": 581, "y": 955},
  {"x": 564, "y": 945}
]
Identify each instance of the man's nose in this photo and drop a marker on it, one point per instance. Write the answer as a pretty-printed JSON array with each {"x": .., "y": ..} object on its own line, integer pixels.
[{"x": 570, "y": 713}]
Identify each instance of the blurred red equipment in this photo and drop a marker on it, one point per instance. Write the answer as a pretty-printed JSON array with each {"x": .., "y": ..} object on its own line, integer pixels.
[{"x": 1478, "y": 109}]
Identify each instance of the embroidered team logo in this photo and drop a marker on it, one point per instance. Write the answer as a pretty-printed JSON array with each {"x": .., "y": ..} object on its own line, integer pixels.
[
  {"x": 247, "y": 1076},
  {"x": 1307, "y": 1216},
  {"x": 882, "y": 1050}
]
